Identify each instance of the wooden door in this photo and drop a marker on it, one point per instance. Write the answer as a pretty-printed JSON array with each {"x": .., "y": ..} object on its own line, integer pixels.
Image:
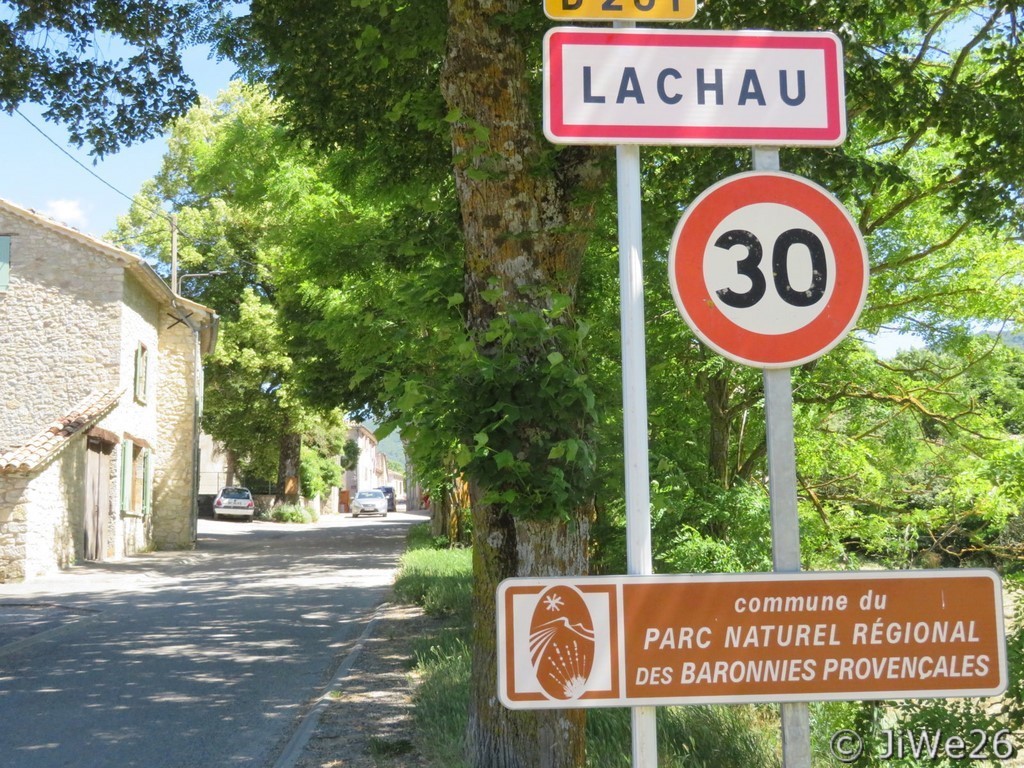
[{"x": 97, "y": 499}]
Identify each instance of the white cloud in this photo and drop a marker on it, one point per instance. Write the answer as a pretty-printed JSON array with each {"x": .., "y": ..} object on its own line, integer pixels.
[{"x": 66, "y": 211}]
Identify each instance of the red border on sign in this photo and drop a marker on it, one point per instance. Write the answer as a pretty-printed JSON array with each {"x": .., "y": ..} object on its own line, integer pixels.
[
  {"x": 833, "y": 133},
  {"x": 686, "y": 270}
]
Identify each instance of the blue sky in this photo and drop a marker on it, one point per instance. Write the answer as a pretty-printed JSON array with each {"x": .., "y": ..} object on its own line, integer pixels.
[{"x": 36, "y": 174}]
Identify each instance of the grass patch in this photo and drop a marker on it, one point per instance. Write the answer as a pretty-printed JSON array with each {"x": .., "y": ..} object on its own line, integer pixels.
[
  {"x": 378, "y": 747},
  {"x": 688, "y": 737},
  {"x": 442, "y": 697},
  {"x": 439, "y": 579}
]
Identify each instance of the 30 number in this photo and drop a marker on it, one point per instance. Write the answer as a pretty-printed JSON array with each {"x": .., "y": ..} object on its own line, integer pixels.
[{"x": 750, "y": 267}]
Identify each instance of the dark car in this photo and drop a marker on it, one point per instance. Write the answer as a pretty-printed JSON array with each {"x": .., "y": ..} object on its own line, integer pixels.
[{"x": 389, "y": 494}]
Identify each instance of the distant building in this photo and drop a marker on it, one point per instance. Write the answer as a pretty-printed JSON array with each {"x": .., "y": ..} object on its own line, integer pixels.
[
  {"x": 100, "y": 396},
  {"x": 365, "y": 473},
  {"x": 372, "y": 470}
]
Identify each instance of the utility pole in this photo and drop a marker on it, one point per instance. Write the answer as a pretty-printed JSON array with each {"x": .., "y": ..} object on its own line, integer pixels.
[{"x": 174, "y": 253}]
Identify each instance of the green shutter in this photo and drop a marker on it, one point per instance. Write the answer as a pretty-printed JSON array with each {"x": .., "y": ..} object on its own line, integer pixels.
[
  {"x": 126, "y": 475},
  {"x": 5, "y": 262},
  {"x": 147, "y": 481}
]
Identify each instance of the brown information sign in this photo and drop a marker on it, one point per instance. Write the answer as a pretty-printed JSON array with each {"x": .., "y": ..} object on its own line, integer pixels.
[
  {"x": 621, "y": 10},
  {"x": 701, "y": 639}
]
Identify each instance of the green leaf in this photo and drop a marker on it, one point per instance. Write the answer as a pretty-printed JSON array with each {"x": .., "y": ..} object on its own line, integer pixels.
[
  {"x": 478, "y": 174},
  {"x": 571, "y": 449},
  {"x": 555, "y": 358},
  {"x": 504, "y": 459},
  {"x": 385, "y": 429},
  {"x": 559, "y": 303}
]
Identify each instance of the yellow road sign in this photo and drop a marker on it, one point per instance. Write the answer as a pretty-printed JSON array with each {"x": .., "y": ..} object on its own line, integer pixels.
[{"x": 617, "y": 10}]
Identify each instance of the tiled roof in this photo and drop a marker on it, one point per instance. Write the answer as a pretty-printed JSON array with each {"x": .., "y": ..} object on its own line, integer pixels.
[{"x": 45, "y": 444}]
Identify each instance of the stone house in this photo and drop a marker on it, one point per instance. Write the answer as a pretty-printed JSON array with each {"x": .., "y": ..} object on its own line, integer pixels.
[{"x": 100, "y": 396}]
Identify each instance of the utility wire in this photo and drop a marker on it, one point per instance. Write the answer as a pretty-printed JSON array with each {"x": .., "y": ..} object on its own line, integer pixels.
[
  {"x": 152, "y": 211},
  {"x": 73, "y": 159}
]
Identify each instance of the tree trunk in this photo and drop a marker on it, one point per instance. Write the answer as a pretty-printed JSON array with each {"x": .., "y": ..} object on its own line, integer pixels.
[
  {"x": 526, "y": 216},
  {"x": 504, "y": 547},
  {"x": 447, "y": 518},
  {"x": 439, "y": 516},
  {"x": 230, "y": 467},
  {"x": 288, "y": 469}
]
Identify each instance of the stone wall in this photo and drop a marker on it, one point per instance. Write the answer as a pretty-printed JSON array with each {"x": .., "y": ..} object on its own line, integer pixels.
[
  {"x": 175, "y": 482},
  {"x": 134, "y": 418},
  {"x": 54, "y": 506},
  {"x": 13, "y": 527},
  {"x": 40, "y": 531},
  {"x": 55, "y": 350}
]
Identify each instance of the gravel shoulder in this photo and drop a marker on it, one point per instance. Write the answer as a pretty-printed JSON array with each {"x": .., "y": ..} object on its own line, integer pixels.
[{"x": 366, "y": 719}]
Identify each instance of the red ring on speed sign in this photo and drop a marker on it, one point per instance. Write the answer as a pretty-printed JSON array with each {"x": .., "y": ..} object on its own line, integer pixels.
[{"x": 759, "y": 329}]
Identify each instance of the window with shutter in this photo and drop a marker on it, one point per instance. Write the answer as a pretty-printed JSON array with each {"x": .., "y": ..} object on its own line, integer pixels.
[{"x": 136, "y": 479}]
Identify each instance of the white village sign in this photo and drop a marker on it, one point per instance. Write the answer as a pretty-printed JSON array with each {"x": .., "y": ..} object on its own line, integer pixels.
[{"x": 645, "y": 86}]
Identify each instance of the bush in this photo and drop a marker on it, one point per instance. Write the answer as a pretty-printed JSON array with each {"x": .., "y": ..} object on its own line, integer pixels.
[{"x": 293, "y": 513}]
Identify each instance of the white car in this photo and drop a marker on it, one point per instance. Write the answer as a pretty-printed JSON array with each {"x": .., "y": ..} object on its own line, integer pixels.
[
  {"x": 370, "y": 502},
  {"x": 234, "y": 502}
]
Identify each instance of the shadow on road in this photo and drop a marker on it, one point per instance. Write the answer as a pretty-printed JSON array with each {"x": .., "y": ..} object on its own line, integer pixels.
[{"x": 214, "y": 651}]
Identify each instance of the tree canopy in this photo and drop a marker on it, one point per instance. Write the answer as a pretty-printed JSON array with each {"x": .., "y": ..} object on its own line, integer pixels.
[{"x": 110, "y": 71}]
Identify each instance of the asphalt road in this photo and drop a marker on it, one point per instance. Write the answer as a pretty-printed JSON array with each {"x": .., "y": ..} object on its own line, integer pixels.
[{"x": 181, "y": 659}]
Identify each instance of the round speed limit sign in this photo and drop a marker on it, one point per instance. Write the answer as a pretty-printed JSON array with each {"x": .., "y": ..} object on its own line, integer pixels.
[{"x": 768, "y": 269}]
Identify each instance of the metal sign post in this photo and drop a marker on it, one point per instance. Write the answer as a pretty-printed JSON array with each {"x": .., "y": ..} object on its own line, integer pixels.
[
  {"x": 634, "y": 407},
  {"x": 785, "y": 523}
]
